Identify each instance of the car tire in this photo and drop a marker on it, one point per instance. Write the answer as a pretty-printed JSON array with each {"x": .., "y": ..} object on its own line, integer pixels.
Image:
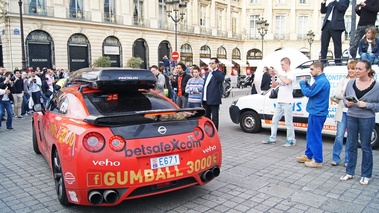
[
  {"x": 250, "y": 122},
  {"x": 35, "y": 141},
  {"x": 60, "y": 187},
  {"x": 374, "y": 138}
]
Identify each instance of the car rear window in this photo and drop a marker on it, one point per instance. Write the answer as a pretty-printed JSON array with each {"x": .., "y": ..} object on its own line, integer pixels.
[{"x": 128, "y": 101}]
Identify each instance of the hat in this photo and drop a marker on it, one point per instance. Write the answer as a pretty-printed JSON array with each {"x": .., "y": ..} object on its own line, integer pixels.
[{"x": 30, "y": 69}]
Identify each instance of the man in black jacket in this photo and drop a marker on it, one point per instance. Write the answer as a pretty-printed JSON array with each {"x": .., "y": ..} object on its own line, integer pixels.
[
  {"x": 213, "y": 90},
  {"x": 333, "y": 25},
  {"x": 18, "y": 93},
  {"x": 181, "y": 81},
  {"x": 6, "y": 99}
]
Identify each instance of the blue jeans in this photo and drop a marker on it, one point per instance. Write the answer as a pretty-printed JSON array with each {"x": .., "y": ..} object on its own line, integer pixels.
[
  {"x": 313, "y": 148},
  {"x": 363, "y": 127},
  {"x": 338, "y": 141},
  {"x": 369, "y": 57},
  {"x": 36, "y": 97},
  {"x": 280, "y": 110},
  {"x": 25, "y": 103},
  {"x": 8, "y": 107},
  {"x": 193, "y": 105}
]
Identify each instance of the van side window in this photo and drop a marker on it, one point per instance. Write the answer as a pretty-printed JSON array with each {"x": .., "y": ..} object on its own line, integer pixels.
[{"x": 296, "y": 88}]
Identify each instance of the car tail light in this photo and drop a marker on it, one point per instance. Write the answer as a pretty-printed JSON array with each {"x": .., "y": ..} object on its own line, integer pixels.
[
  {"x": 117, "y": 143},
  {"x": 199, "y": 134},
  {"x": 93, "y": 142},
  {"x": 208, "y": 128}
]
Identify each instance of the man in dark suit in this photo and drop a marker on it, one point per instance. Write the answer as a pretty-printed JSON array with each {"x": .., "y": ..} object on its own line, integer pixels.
[
  {"x": 213, "y": 90},
  {"x": 333, "y": 25}
]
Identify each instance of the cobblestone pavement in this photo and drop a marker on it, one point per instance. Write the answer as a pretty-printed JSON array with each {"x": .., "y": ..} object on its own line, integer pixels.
[{"x": 255, "y": 178}]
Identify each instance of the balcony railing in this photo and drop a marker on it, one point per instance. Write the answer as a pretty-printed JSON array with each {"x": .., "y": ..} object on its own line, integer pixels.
[
  {"x": 236, "y": 35},
  {"x": 112, "y": 18},
  {"x": 206, "y": 31},
  {"x": 186, "y": 29},
  {"x": 79, "y": 15},
  {"x": 39, "y": 11},
  {"x": 222, "y": 33},
  {"x": 281, "y": 36},
  {"x": 163, "y": 25},
  {"x": 141, "y": 22}
]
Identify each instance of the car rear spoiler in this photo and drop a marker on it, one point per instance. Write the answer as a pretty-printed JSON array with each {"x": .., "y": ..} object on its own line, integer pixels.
[{"x": 146, "y": 116}]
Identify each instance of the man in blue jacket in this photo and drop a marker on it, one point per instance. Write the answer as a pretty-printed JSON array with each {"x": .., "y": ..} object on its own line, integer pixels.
[
  {"x": 317, "y": 107},
  {"x": 333, "y": 25},
  {"x": 212, "y": 91}
]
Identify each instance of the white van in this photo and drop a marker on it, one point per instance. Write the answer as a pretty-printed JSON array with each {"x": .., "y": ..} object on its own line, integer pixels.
[{"x": 254, "y": 112}]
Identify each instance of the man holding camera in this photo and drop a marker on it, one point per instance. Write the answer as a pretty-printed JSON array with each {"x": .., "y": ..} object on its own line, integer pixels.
[
  {"x": 35, "y": 84},
  {"x": 6, "y": 99}
]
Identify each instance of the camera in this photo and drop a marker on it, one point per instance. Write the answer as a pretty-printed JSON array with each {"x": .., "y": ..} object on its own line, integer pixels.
[
  {"x": 352, "y": 99},
  {"x": 34, "y": 81}
]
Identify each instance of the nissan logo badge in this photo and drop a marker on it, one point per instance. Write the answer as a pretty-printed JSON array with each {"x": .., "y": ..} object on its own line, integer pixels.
[{"x": 162, "y": 130}]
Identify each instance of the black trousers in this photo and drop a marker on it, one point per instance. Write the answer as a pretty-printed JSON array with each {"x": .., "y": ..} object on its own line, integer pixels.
[
  {"x": 328, "y": 33},
  {"x": 211, "y": 112}
]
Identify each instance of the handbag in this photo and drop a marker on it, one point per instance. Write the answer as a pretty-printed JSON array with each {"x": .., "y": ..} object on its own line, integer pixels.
[
  {"x": 48, "y": 93},
  {"x": 274, "y": 93}
]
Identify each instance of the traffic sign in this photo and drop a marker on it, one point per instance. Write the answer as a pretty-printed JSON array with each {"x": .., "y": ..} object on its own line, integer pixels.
[{"x": 175, "y": 55}]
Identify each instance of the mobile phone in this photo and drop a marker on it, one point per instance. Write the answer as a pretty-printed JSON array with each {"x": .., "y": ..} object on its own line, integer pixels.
[{"x": 352, "y": 99}]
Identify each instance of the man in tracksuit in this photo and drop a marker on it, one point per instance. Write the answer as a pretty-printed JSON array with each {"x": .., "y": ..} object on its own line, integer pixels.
[{"x": 317, "y": 107}]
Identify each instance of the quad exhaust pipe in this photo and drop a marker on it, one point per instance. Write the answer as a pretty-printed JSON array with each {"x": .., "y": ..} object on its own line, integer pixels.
[
  {"x": 210, "y": 174},
  {"x": 109, "y": 196}
]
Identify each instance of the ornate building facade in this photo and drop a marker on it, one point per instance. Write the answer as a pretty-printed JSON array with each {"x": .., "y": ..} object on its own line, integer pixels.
[{"x": 73, "y": 33}]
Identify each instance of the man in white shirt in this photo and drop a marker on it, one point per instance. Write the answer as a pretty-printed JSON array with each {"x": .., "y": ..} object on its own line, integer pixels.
[
  {"x": 284, "y": 104},
  {"x": 34, "y": 83}
]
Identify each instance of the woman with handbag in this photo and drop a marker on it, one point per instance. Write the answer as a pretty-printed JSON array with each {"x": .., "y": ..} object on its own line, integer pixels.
[{"x": 340, "y": 116}]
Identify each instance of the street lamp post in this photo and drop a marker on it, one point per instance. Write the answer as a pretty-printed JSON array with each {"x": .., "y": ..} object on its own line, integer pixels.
[
  {"x": 23, "y": 59},
  {"x": 310, "y": 38},
  {"x": 175, "y": 11},
  {"x": 262, "y": 26}
]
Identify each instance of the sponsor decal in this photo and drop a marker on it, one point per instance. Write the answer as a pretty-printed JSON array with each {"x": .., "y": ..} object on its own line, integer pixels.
[
  {"x": 120, "y": 178},
  {"x": 174, "y": 145},
  {"x": 69, "y": 178},
  {"x": 210, "y": 149},
  {"x": 61, "y": 134},
  {"x": 106, "y": 163},
  {"x": 128, "y": 78},
  {"x": 73, "y": 196}
]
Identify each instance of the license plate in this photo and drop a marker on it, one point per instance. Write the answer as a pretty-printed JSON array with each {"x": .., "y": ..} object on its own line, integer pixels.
[{"x": 165, "y": 161}]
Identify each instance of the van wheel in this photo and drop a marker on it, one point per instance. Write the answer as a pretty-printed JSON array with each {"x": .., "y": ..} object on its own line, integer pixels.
[
  {"x": 250, "y": 122},
  {"x": 374, "y": 138}
]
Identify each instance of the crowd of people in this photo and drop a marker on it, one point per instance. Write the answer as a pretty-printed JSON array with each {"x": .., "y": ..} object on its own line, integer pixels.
[
  {"x": 189, "y": 89},
  {"x": 19, "y": 90}
]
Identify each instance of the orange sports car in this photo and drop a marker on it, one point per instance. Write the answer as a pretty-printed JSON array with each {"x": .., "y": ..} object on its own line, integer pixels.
[{"x": 108, "y": 137}]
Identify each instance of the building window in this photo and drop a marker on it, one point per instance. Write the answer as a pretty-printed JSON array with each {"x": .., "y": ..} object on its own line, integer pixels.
[
  {"x": 37, "y": 7},
  {"x": 303, "y": 1},
  {"x": 138, "y": 12},
  {"x": 280, "y": 26},
  {"x": 280, "y": 1},
  {"x": 253, "y": 26},
  {"x": 76, "y": 9},
  {"x": 109, "y": 11},
  {"x": 303, "y": 27},
  {"x": 254, "y": 1},
  {"x": 202, "y": 15},
  {"x": 162, "y": 15},
  {"x": 219, "y": 20}
]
